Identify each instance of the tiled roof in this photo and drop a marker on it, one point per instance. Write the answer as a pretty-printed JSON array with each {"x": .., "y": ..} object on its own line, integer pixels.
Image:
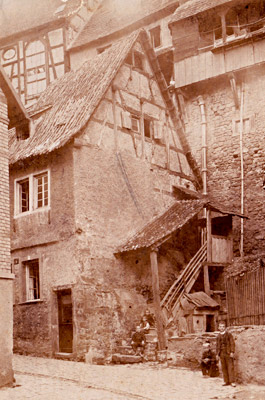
[
  {"x": 70, "y": 102},
  {"x": 170, "y": 221},
  {"x": 161, "y": 227},
  {"x": 21, "y": 15},
  {"x": 198, "y": 299},
  {"x": 194, "y": 7},
  {"x": 110, "y": 18}
]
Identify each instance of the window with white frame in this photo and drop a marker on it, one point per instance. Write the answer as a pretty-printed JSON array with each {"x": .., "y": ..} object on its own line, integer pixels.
[
  {"x": 32, "y": 192},
  {"x": 31, "y": 280}
]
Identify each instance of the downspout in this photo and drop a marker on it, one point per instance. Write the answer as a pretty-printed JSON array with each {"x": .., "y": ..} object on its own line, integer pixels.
[
  {"x": 242, "y": 171},
  {"x": 204, "y": 146},
  {"x": 204, "y": 166}
]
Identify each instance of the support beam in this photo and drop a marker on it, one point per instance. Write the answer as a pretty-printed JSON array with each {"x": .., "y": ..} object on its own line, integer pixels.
[
  {"x": 209, "y": 235},
  {"x": 206, "y": 279},
  {"x": 158, "y": 309}
]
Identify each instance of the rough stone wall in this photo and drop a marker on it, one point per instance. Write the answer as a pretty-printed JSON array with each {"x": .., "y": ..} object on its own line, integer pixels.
[
  {"x": 47, "y": 225},
  {"x": 6, "y": 327},
  {"x": 224, "y": 149}
]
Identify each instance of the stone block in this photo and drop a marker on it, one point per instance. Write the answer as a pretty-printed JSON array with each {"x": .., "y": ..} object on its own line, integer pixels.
[{"x": 125, "y": 359}]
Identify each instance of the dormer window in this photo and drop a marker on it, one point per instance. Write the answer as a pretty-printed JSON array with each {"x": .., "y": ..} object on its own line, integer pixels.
[{"x": 155, "y": 36}]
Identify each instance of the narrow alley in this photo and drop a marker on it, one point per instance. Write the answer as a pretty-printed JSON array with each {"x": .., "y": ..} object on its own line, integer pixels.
[{"x": 40, "y": 378}]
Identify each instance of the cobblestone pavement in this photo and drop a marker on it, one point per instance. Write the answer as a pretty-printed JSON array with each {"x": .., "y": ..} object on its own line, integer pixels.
[{"x": 49, "y": 379}]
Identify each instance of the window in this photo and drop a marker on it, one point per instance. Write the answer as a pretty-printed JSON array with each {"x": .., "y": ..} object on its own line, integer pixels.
[
  {"x": 155, "y": 35},
  {"x": 32, "y": 193},
  {"x": 135, "y": 123},
  {"x": 31, "y": 280},
  {"x": 248, "y": 125},
  {"x": 136, "y": 59},
  {"x": 147, "y": 128}
]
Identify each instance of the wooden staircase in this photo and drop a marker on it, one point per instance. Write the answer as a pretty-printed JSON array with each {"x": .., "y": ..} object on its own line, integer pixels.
[{"x": 171, "y": 301}]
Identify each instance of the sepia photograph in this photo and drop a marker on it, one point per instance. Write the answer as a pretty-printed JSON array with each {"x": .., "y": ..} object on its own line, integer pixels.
[{"x": 132, "y": 199}]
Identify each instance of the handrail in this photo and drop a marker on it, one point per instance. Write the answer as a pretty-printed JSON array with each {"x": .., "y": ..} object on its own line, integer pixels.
[
  {"x": 179, "y": 286},
  {"x": 192, "y": 263}
]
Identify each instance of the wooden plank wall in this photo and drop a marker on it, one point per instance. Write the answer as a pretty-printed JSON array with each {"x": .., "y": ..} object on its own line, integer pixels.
[
  {"x": 211, "y": 64},
  {"x": 246, "y": 298}
]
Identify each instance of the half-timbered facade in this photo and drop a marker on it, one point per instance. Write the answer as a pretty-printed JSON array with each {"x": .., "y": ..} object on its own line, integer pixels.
[{"x": 105, "y": 154}]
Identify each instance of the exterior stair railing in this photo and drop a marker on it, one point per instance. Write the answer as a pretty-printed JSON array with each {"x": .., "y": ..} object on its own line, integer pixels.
[{"x": 171, "y": 301}]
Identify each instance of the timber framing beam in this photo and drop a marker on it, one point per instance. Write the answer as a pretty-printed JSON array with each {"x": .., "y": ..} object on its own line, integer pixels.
[
  {"x": 172, "y": 109},
  {"x": 157, "y": 303}
]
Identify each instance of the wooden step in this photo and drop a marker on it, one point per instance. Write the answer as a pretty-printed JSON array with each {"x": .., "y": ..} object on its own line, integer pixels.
[{"x": 125, "y": 359}]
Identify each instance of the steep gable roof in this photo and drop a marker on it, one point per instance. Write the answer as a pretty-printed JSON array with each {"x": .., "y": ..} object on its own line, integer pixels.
[
  {"x": 22, "y": 15},
  {"x": 66, "y": 106},
  {"x": 194, "y": 7},
  {"x": 70, "y": 101},
  {"x": 109, "y": 18}
]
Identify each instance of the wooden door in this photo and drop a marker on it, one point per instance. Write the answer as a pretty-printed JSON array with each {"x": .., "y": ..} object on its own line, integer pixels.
[{"x": 65, "y": 313}]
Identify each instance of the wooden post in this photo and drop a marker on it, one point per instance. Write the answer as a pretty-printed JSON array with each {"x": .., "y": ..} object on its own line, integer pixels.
[
  {"x": 142, "y": 130},
  {"x": 223, "y": 26},
  {"x": 115, "y": 118},
  {"x": 209, "y": 235},
  {"x": 206, "y": 279},
  {"x": 158, "y": 309}
]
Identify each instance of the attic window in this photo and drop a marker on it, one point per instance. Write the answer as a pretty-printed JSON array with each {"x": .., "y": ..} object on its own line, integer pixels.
[
  {"x": 136, "y": 59},
  {"x": 155, "y": 35}
]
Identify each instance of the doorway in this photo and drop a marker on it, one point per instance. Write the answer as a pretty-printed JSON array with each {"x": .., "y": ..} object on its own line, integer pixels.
[
  {"x": 210, "y": 323},
  {"x": 65, "y": 320}
]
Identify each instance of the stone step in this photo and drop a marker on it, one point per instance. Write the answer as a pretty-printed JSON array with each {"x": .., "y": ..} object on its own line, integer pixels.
[
  {"x": 126, "y": 359},
  {"x": 127, "y": 350}
]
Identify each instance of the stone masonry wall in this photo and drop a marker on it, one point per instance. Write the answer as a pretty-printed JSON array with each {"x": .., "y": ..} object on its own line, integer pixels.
[{"x": 223, "y": 151}]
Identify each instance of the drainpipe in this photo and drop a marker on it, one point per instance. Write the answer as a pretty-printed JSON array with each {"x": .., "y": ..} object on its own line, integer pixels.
[
  {"x": 242, "y": 170},
  {"x": 204, "y": 145},
  {"x": 204, "y": 164}
]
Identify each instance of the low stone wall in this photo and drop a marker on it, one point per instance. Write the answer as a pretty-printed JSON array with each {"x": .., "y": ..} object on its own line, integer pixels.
[{"x": 249, "y": 354}]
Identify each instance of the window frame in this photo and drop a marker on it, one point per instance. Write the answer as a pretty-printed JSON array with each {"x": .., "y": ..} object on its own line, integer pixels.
[
  {"x": 152, "y": 32},
  {"x": 33, "y": 193},
  {"x": 24, "y": 280}
]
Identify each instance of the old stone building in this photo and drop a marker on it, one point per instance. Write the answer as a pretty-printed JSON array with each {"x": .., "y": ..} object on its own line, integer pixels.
[
  {"x": 105, "y": 154},
  {"x": 12, "y": 115},
  {"x": 219, "y": 75}
]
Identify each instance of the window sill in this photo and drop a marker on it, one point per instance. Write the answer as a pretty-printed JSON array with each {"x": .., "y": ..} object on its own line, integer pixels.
[
  {"x": 30, "y": 302},
  {"x": 37, "y": 211}
]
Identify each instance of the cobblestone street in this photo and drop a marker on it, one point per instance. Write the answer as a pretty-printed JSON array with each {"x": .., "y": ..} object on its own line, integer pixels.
[{"x": 40, "y": 378}]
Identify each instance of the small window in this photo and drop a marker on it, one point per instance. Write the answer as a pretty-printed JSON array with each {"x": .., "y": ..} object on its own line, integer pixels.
[
  {"x": 136, "y": 59},
  {"x": 31, "y": 280},
  {"x": 147, "y": 128},
  {"x": 246, "y": 126},
  {"x": 155, "y": 35},
  {"x": 23, "y": 189},
  {"x": 32, "y": 193},
  {"x": 135, "y": 123},
  {"x": 41, "y": 191}
]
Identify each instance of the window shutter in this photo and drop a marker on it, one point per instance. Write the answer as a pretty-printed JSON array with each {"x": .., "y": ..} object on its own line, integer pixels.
[
  {"x": 126, "y": 120},
  {"x": 158, "y": 129}
]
